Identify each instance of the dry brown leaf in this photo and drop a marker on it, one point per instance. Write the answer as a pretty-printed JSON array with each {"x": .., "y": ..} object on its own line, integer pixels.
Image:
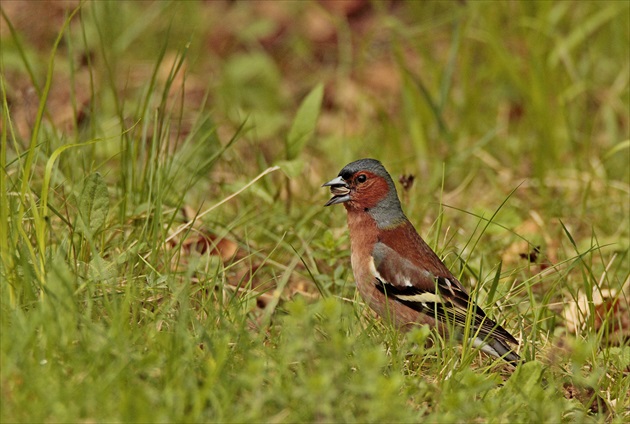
[{"x": 610, "y": 308}]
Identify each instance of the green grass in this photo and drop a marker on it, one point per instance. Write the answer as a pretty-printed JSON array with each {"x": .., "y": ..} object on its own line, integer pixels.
[{"x": 166, "y": 255}]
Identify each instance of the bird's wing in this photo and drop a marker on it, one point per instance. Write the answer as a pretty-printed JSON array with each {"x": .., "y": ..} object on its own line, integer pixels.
[{"x": 439, "y": 296}]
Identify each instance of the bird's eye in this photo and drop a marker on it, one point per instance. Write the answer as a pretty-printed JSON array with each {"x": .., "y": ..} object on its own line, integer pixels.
[{"x": 362, "y": 178}]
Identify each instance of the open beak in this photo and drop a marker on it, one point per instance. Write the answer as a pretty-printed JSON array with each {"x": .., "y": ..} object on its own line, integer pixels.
[{"x": 339, "y": 189}]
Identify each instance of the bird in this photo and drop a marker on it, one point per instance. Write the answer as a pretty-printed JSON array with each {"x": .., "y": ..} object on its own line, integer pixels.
[{"x": 396, "y": 272}]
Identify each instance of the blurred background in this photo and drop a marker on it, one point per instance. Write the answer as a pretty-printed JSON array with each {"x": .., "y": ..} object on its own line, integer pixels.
[{"x": 469, "y": 97}]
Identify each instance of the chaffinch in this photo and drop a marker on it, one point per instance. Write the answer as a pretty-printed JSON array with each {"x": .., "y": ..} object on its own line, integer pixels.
[{"x": 396, "y": 272}]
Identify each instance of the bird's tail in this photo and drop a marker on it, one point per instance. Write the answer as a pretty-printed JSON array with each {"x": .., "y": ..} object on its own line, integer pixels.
[{"x": 497, "y": 348}]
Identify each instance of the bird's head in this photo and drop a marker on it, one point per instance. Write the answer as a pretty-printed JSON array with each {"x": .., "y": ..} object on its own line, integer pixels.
[{"x": 366, "y": 186}]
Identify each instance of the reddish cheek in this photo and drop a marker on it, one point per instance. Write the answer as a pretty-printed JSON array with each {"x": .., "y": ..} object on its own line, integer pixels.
[{"x": 372, "y": 192}]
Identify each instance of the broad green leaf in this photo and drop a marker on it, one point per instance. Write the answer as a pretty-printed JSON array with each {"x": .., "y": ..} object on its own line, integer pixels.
[
  {"x": 304, "y": 122},
  {"x": 93, "y": 204},
  {"x": 101, "y": 270}
]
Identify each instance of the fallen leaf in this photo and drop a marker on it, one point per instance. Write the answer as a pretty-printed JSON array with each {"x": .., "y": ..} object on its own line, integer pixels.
[{"x": 610, "y": 308}]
